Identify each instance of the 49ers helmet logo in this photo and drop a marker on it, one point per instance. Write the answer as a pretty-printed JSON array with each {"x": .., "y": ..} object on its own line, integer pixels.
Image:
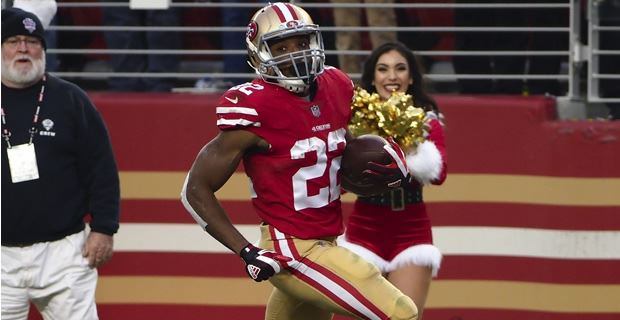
[
  {"x": 252, "y": 31},
  {"x": 293, "y": 24}
]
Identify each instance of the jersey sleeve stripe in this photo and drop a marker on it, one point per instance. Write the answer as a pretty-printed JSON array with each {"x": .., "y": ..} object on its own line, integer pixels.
[
  {"x": 242, "y": 110},
  {"x": 237, "y": 122}
]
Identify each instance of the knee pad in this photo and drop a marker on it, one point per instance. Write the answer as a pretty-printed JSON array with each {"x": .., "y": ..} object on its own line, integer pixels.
[{"x": 404, "y": 309}]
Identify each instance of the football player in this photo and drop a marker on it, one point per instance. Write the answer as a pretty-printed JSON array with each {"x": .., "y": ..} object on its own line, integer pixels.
[{"x": 289, "y": 127}]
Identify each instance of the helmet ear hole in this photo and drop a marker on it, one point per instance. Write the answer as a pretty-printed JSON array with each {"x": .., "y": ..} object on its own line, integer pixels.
[{"x": 253, "y": 59}]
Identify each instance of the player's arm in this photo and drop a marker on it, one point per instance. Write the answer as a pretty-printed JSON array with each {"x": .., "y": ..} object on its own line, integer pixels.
[{"x": 214, "y": 165}]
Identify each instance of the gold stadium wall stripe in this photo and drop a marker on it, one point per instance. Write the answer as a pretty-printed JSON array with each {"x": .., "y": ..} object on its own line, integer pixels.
[
  {"x": 151, "y": 184},
  {"x": 524, "y": 296},
  {"x": 444, "y": 294},
  {"x": 570, "y": 191},
  {"x": 181, "y": 290},
  {"x": 458, "y": 240}
]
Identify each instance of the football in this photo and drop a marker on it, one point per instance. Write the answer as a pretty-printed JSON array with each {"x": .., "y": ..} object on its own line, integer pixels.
[{"x": 357, "y": 154}]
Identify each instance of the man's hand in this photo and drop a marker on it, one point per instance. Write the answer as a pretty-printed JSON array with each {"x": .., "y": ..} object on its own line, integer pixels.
[
  {"x": 98, "y": 249},
  {"x": 394, "y": 174},
  {"x": 261, "y": 264}
]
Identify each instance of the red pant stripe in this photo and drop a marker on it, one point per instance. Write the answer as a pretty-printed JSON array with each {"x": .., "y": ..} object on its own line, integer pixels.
[{"x": 325, "y": 281}]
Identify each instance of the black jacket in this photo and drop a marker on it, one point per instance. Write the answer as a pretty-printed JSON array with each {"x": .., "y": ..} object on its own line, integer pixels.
[{"x": 77, "y": 169}]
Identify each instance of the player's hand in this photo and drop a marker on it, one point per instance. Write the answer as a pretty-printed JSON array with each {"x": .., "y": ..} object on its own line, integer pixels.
[
  {"x": 394, "y": 174},
  {"x": 261, "y": 264}
]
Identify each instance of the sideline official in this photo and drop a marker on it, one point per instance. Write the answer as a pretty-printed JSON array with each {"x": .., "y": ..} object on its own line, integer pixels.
[{"x": 57, "y": 167}]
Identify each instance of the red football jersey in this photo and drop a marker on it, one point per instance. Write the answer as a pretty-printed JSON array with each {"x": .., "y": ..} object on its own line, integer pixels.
[{"x": 295, "y": 184}]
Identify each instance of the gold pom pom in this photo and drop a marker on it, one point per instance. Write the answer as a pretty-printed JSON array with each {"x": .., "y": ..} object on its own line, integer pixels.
[{"x": 397, "y": 117}]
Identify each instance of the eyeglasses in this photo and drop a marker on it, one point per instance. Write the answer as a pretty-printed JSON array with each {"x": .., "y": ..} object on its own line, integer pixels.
[{"x": 31, "y": 43}]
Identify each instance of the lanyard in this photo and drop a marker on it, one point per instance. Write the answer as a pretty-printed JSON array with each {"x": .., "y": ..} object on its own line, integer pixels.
[{"x": 6, "y": 134}]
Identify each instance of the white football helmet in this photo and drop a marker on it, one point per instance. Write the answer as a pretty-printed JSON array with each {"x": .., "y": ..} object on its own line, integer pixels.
[{"x": 277, "y": 21}]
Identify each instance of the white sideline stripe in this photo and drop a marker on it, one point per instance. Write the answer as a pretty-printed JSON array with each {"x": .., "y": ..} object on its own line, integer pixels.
[
  {"x": 173, "y": 237},
  {"x": 491, "y": 241},
  {"x": 242, "y": 110},
  {"x": 528, "y": 242}
]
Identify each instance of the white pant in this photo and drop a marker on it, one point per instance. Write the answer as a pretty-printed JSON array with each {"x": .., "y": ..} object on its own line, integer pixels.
[{"x": 53, "y": 276}]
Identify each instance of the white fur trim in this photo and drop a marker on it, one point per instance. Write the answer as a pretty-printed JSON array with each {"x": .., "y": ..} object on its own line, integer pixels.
[
  {"x": 425, "y": 162},
  {"x": 426, "y": 255},
  {"x": 364, "y": 253},
  {"x": 421, "y": 255}
]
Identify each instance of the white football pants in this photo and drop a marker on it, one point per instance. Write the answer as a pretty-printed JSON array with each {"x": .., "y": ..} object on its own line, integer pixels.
[{"x": 53, "y": 276}]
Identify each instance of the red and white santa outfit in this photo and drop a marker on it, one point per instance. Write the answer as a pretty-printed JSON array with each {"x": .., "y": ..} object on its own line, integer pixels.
[{"x": 394, "y": 229}]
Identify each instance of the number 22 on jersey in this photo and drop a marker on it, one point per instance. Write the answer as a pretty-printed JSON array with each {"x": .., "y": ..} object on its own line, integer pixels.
[{"x": 325, "y": 165}]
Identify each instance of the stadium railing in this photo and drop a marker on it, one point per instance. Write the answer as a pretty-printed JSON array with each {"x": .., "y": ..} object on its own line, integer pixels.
[{"x": 577, "y": 57}]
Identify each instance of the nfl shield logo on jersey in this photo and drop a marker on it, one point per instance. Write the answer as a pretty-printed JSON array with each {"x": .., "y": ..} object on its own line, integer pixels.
[{"x": 316, "y": 111}]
